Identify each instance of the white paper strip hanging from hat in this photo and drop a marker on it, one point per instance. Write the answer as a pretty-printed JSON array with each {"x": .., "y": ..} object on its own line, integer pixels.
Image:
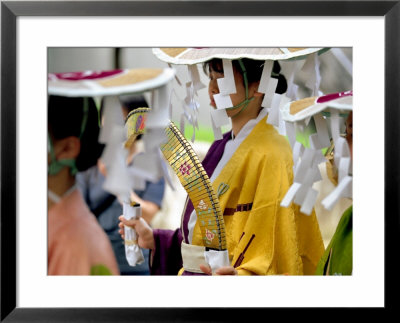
[
  {"x": 142, "y": 173},
  {"x": 190, "y": 105},
  {"x": 269, "y": 93},
  {"x": 289, "y": 69},
  {"x": 265, "y": 76},
  {"x": 112, "y": 115},
  {"x": 311, "y": 68},
  {"x": 298, "y": 150},
  {"x": 117, "y": 179},
  {"x": 305, "y": 163},
  {"x": 344, "y": 61},
  {"x": 322, "y": 134},
  {"x": 195, "y": 78},
  {"x": 273, "y": 116},
  {"x": 309, "y": 201},
  {"x": 226, "y": 84},
  {"x": 114, "y": 156},
  {"x": 190, "y": 116},
  {"x": 153, "y": 138},
  {"x": 222, "y": 101},
  {"x": 220, "y": 117},
  {"x": 192, "y": 87},
  {"x": 161, "y": 98},
  {"x": 217, "y": 130},
  {"x": 343, "y": 189},
  {"x": 282, "y": 126},
  {"x": 189, "y": 100},
  {"x": 335, "y": 124},
  {"x": 157, "y": 119},
  {"x": 176, "y": 76},
  {"x": 291, "y": 133},
  {"x": 290, "y": 194},
  {"x": 149, "y": 162},
  {"x": 306, "y": 173},
  {"x": 111, "y": 149},
  {"x": 342, "y": 148},
  {"x": 326, "y": 126}
]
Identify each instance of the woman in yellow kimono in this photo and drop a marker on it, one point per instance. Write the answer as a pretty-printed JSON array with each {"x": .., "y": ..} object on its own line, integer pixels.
[{"x": 251, "y": 169}]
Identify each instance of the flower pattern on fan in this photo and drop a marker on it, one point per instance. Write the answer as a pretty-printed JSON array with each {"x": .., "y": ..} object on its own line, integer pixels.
[{"x": 185, "y": 168}]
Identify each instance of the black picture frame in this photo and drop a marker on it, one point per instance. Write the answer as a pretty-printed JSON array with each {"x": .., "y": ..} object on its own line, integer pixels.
[{"x": 10, "y": 10}]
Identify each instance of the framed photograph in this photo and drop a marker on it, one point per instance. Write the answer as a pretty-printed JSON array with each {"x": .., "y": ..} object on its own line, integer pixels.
[{"x": 29, "y": 29}]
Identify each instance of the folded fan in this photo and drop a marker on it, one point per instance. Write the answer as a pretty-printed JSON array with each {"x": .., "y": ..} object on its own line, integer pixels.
[{"x": 186, "y": 165}]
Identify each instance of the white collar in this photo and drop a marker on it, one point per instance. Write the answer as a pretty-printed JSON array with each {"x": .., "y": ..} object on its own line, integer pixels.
[{"x": 56, "y": 198}]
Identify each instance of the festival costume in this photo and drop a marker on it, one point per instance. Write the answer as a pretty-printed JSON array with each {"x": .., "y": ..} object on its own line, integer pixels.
[
  {"x": 250, "y": 175},
  {"x": 76, "y": 242},
  {"x": 325, "y": 116},
  {"x": 121, "y": 178},
  {"x": 257, "y": 176}
]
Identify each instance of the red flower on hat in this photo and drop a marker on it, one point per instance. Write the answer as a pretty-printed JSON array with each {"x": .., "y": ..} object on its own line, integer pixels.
[{"x": 185, "y": 168}]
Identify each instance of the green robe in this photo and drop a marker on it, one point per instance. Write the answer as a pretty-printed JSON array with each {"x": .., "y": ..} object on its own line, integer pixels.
[{"x": 338, "y": 256}]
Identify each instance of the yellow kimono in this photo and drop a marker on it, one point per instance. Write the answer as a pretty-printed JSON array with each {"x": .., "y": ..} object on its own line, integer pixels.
[{"x": 264, "y": 238}]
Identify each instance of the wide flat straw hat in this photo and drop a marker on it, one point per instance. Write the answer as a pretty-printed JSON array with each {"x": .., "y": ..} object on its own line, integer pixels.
[
  {"x": 108, "y": 83},
  {"x": 304, "y": 108},
  {"x": 189, "y": 56}
]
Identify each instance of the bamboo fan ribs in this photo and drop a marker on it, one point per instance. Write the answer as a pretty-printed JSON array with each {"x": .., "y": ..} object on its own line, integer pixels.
[{"x": 185, "y": 163}]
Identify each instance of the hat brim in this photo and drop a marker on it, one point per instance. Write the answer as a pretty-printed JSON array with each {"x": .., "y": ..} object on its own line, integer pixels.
[
  {"x": 128, "y": 81},
  {"x": 190, "y": 56},
  {"x": 307, "y": 107}
]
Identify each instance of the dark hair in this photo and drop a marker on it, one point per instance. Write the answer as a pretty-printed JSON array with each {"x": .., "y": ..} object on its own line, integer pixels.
[
  {"x": 65, "y": 115},
  {"x": 128, "y": 103},
  {"x": 254, "y": 69},
  {"x": 133, "y": 102}
]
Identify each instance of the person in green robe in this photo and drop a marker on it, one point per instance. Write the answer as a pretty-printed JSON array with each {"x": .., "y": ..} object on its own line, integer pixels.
[{"x": 338, "y": 256}]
